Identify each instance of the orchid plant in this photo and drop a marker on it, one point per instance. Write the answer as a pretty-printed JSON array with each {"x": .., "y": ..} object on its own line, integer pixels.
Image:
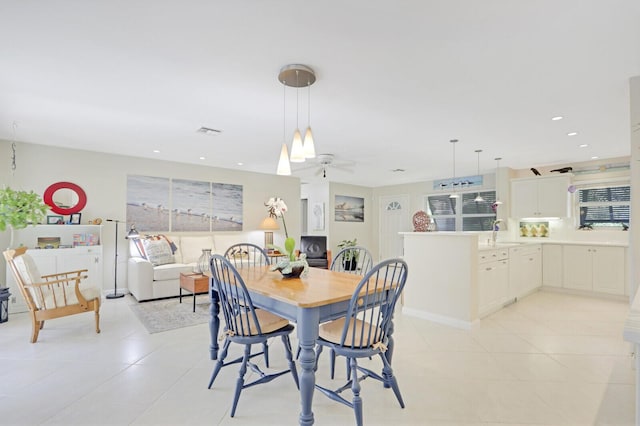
[{"x": 277, "y": 208}]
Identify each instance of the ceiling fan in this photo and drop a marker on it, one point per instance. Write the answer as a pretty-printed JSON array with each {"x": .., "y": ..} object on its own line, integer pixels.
[{"x": 327, "y": 161}]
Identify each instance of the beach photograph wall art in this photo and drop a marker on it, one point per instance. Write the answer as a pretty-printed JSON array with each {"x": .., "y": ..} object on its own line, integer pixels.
[
  {"x": 148, "y": 203},
  {"x": 180, "y": 205},
  {"x": 191, "y": 205},
  {"x": 349, "y": 209}
]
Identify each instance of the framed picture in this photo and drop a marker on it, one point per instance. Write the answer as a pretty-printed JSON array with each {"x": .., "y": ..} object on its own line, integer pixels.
[
  {"x": 75, "y": 218},
  {"x": 54, "y": 220},
  {"x": 349, "y": 209}
]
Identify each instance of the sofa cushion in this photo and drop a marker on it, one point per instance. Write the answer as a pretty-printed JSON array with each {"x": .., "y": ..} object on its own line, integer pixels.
[
  {"x": 158, "y": 251},
  {"x": 170, "y": 271},
  {"x": 191, "y": 247}
]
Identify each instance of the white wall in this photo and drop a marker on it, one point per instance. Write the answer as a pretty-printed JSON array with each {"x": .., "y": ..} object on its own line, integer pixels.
[
  {"x": 316, "y": 194},
  {"x": 363, "y": 231},
  {"x": 104, "y": 179},
  {"x": 634, "y": 243}
]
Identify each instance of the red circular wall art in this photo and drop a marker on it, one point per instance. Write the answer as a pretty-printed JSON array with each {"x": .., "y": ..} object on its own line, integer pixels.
[{"x": 48, "y": 198}]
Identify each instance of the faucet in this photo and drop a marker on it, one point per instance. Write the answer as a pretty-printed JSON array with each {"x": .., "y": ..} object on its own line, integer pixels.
[{"x": 494, "y": 231}]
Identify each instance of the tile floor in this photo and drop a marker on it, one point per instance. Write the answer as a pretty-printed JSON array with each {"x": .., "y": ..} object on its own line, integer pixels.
[{"x": 550, "y": 359}]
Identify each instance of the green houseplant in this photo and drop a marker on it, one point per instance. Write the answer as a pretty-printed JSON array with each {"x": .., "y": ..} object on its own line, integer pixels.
[
  {"x": 350, "y": 258},
  {"x": 18, "y": 209}
]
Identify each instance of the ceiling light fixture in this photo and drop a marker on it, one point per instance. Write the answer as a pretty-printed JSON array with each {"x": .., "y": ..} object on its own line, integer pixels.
[
  {"x": 478, "y": 198},
  {"x": 572, "y": 133},
  {"x": 297, "y": 75},
  {"x": 453, "y": 181},
  {"x": 284, "y": 168},
  {"x": 584, "y": 145},
  {"x": 556, "y": 118},
  {"x": 498, "y": 202},
  {"x": 308, "y": 145}
]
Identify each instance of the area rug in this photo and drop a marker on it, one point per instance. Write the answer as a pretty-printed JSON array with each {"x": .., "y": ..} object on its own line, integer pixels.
[{"x": 169, "y": 314}]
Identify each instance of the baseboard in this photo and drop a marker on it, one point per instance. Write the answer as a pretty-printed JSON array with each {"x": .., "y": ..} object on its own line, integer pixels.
[{"x": 440, "y": 319}]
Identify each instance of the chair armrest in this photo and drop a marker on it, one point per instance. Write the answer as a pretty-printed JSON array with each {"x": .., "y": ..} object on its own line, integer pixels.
[
  {"x": 65, "y": 274},
  {"x": 140, "y": 278},
  {"x": 36, "y": 290}
]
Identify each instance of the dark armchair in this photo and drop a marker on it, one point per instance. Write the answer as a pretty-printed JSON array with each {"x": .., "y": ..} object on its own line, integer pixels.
[{"x": 315, "y": 247}]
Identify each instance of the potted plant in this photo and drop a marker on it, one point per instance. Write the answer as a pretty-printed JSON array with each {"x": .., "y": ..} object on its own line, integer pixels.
[
  {"x": 18, "y": 209},
  {"x": 291, "y": 266},
  {"x": 350, "y": 258}
]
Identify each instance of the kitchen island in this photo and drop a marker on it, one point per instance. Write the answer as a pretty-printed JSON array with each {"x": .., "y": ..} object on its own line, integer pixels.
[
  {"x": 457, "y": 278},
  {"x": 442, "y": 283}
]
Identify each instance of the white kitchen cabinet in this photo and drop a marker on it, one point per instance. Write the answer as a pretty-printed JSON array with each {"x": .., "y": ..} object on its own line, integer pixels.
[
  {"x": 593, "y": 268},
  {"x": 525, "y": 272},
  {"x": 540, "y": 196},
  {"x": 552, "y": 265},
  {"x": 493, "y": 281}
]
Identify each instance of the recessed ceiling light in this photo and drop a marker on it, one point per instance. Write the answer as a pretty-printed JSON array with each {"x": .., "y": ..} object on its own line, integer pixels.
[
  {"x": 398, "y": 170},
  {"x": 595, "y": 157},
  {"x": 557, "y": 117},
  {"x": 584, "y": 145},
  {"x": 156, "y": 151},
  {"x": 203, "y": 158},
  {"x": 240, "y": 164},
  {"x": 572, "y": 133}
]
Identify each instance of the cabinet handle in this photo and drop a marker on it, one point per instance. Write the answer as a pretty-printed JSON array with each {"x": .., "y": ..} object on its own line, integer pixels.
[{"x": 488, "y": 269}]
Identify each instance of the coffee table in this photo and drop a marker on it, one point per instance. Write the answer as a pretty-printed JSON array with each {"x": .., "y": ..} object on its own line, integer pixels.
[{"x": 195, "y": 284}]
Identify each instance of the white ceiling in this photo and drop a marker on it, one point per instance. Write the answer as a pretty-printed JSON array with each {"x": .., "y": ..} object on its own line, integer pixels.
[{"x": 396, "y": 80}]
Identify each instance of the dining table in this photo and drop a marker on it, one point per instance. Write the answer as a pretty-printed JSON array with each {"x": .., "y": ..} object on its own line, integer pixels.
[{"x": 319, "y": 295}]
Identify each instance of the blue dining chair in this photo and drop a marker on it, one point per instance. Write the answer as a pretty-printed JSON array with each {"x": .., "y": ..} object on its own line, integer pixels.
[
  {"x": 353, "y": 260},
  {"x": 364, "y": 331},
  {"x": 246, "y": 326},
  {"x": 248, "y": 255}
]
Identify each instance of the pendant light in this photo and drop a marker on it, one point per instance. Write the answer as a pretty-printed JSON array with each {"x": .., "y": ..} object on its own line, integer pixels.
[
  {"x": 478, "y": 198},
  {"x": 497, "y": 202},
  {"x": 284, "y": 168},
  {"x": 308, "y": 146},
  {"x": 453, "y": 181},
  {"x": 297, "y": 75}
]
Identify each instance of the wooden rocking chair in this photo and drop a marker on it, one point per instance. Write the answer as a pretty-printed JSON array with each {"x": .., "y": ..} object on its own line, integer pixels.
[{"x": 52, "y": 296}]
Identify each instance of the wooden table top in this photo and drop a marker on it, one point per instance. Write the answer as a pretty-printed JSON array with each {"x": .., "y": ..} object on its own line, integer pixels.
[{"x": 318, "y": 288}]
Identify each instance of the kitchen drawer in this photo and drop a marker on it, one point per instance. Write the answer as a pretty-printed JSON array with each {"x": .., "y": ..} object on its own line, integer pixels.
[{"x": 492, "y": 255}]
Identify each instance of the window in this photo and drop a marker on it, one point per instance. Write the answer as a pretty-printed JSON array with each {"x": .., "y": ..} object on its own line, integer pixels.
[
  {"x": 604, "y": 206},
  {"x": 473, "y": 216}
]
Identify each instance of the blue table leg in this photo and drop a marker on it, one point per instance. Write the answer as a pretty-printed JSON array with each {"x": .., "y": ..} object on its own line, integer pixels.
[
  {"x": 307, "y": 324},
  {"x": 214, "y": 321}
]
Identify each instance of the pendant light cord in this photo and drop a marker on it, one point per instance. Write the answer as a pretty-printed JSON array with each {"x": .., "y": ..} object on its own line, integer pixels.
[
  {"x": 297, "y": 96},
  {"x": 309, "y": 104}
]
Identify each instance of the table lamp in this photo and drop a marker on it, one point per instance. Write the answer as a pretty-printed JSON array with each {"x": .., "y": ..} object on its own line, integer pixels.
[{"x": 269, "y": 225}]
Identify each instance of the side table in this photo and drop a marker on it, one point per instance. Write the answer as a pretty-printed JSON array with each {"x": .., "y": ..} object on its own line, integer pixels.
[{"x": 195, "y": 284}]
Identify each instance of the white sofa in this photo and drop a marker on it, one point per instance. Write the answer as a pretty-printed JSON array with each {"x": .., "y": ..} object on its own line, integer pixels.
[{"x": 147, "y": 282}]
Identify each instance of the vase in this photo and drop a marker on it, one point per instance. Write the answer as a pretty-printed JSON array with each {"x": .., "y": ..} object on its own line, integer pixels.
[
  {"x": 350, "y": 264},
  {"x": 202, "y": 265},
  {"x": 296, "y": 271},
  {"x": 291, "y": 269}
]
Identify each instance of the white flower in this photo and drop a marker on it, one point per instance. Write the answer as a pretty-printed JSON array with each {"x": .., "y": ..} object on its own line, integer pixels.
[{"x": 276, "y": 206}]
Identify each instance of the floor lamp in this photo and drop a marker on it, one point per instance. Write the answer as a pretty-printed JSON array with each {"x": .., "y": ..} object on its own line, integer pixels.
[{"x": 115, "y": 294}]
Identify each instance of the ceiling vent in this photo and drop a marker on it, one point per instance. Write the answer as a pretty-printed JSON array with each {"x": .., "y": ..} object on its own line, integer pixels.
[{"x": 209, "y": 131}]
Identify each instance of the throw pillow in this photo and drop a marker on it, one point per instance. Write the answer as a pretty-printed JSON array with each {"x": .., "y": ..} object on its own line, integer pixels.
[{"x": 158, "y": 251}]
